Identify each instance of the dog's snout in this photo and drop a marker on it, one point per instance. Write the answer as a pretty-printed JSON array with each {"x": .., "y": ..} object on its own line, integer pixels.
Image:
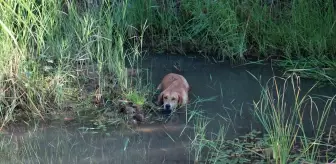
[{"x": 167, "y": 106}]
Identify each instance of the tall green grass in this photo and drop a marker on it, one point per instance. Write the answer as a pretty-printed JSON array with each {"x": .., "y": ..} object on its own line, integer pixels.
[
  {"x": 284, "y": 122},
  {"x": 282, "y": 111},
  {"x": 49, "y": 48},
  {"x": 300, "y": 33}
]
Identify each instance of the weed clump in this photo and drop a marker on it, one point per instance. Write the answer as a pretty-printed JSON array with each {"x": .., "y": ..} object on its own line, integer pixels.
[
  {"x": 61, "y": 55},
  {"x": 285, "y": 137}
]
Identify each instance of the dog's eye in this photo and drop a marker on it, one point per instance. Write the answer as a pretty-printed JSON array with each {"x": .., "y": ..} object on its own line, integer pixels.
[
  {"x": 165, "y": 97},
  {"x": 173, "y": 98}
]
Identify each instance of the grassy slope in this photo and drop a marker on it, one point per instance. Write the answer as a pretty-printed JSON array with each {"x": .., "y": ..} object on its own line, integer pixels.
[
  {"x": 301, "y": 32},
  {"x": 48, "y": 45}
]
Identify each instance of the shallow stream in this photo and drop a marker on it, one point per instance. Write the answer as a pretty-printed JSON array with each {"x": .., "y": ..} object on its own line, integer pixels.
[{"x": 230, "y": 91}]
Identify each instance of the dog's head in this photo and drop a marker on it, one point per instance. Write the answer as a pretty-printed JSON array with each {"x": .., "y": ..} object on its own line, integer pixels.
[{"x": 170, "y": 100}]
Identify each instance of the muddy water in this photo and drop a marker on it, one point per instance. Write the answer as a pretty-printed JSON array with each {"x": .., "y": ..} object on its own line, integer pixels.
[
  {"x": 231, "y": 89},
  {"x": 73, "y": 144}
]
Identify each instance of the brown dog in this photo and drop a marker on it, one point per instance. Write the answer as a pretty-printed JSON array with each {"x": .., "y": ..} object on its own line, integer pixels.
[{"x": 175, "y": 89}]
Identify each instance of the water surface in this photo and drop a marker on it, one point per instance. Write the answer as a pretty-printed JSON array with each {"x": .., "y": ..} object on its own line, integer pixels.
[{"x": 231, "y": 88}]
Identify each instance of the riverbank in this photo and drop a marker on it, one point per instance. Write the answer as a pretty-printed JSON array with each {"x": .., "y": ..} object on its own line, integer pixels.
[{"x": 77, "y": 60}]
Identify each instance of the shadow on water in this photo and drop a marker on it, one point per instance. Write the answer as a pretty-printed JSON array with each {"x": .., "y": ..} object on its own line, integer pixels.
[{"x": 231, "y": 89}]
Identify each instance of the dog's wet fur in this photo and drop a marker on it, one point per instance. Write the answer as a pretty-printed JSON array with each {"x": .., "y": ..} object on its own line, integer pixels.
[{"x": 174, "y": 92}]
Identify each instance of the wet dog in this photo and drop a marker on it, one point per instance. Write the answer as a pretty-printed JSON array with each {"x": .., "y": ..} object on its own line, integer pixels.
[{"x": 174, "y": 91}]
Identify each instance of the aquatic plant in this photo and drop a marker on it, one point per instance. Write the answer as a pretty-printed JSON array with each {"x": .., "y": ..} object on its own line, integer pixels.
[
  {"x": 284, "y": 121},
  {"x": 282, "y": 111}
]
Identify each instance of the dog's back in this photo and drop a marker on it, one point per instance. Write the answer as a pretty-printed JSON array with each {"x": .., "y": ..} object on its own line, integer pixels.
[{"x": 173, "y": 80}]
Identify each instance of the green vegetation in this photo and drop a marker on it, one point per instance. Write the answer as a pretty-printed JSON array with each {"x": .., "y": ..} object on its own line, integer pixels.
[
  {"x": 300, "y": 33},
  {"x": 285, "y": 140},
  {"x": 56, "y": 54},
  {"x": 62, "y": 58},
  {"x": 47, "y": 46}
]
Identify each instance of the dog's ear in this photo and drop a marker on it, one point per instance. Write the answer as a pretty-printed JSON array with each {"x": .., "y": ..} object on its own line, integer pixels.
[
  {"x": 160, "y": 99},
  {"x": 179, "y": 100}
]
